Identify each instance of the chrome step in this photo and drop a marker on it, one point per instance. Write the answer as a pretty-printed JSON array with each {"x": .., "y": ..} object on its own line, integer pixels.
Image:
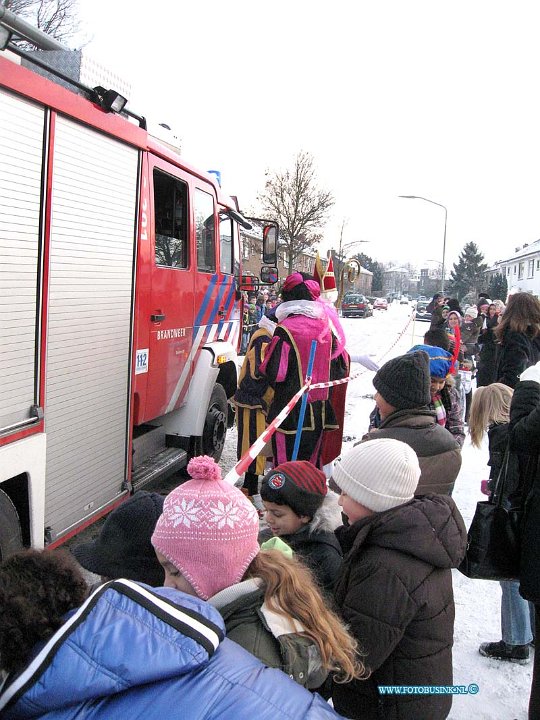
[{"x": 161, "y": 465}]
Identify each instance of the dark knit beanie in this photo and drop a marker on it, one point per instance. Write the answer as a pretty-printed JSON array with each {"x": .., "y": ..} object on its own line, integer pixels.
[
  {"x": 404, "y": 382},
  {"x": 297, "y": 484},
  {"x": 123, "y": 548}
]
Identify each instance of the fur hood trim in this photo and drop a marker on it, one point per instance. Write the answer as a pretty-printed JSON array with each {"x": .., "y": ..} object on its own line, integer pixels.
[
  {"x": 309, "y": 308},
  {"x": 328, "y": 516}
]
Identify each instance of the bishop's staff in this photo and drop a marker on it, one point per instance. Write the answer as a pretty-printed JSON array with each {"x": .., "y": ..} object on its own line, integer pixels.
[{"x": 351, "y": 270}]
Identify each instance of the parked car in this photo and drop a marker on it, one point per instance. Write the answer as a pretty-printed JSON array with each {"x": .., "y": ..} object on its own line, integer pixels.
[
  {"x": 380, "y": 304},
  {"x": 421, "y": 313},
  {"x": 356, "y": 306}
]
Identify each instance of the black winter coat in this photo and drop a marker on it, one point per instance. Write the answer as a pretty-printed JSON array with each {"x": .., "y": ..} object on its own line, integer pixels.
[
  {"x": 516, "y": 353},
  {"x": 395, "y": 592},
  {"x": 487, "y": 359},
  {"x": 498, "y": 440},
  {"x": 320, "y": 551},
  {"x": 316, "y": 544},
  {"x": 525, "y": 437}
]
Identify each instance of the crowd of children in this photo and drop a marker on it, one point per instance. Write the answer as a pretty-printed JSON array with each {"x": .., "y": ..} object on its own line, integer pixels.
[{"x": 345, "y": 587}]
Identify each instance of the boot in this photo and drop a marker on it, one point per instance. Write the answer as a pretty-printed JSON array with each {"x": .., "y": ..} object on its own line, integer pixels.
[
  {"x": 502, "y": 651},
  {"x": 256, "y": 500},
  {"x": 259, "y": 505}
]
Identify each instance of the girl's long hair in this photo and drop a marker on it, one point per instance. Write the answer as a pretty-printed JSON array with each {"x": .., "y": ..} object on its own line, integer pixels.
[
  {"x": 490, "y": 405},
  {"x": 291, "y": 591},
  {"x": 522, "y": 314}
]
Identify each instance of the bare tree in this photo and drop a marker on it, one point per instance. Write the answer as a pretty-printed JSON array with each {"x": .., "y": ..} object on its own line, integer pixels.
[
  {"x": 58, "y": 18},
  {"x": 293, "y": 199}
]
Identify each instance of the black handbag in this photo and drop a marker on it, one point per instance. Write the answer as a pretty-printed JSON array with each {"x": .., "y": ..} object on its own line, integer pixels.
[{"x": 493, "y": 540}]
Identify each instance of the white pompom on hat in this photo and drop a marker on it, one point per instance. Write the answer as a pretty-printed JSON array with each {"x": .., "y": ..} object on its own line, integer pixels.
[{"x": 379, "y": 474}]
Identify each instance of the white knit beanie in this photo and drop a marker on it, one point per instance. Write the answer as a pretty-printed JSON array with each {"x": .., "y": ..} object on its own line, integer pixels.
[{"x": 379, "y": 474}]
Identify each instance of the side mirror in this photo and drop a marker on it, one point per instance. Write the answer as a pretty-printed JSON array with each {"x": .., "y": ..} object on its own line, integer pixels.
[
  {"x": 270, "y": 244},
  {"x": 249, "y": 283},
  {"x": 269, "y": 275}
]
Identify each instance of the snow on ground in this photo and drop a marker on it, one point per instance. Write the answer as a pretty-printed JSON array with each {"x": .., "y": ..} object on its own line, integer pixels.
[{"x": 504, "y": 687}]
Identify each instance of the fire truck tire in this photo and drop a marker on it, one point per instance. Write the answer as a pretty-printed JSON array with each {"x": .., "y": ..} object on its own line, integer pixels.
[
  {"x": 215, "y": 425},
  {"x": 10, "y": 527}
]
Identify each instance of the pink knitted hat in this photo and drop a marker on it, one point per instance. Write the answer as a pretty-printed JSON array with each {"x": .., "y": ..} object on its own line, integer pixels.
[{"x": 208, "y": 529}]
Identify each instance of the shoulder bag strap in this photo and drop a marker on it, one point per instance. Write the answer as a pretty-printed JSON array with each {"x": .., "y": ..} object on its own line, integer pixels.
[{"x": 498, "y": 491}]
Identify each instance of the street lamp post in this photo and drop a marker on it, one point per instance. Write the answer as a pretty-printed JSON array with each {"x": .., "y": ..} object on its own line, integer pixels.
[{"x": 418, "y": 197}]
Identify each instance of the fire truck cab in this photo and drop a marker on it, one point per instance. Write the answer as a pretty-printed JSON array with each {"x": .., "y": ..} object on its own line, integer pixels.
[{"x": 121, "y": 304}]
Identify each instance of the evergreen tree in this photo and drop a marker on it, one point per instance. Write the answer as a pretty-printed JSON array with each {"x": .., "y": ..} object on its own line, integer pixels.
[
  {"x": 468, "y": 273},
  {"x": 373, "y": 266},
  {"x": 498, "y": 287}
]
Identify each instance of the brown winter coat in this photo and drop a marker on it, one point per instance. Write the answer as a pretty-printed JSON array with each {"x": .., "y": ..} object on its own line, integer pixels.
[
  {"x": 438, "y": 452},
  {"x": 395, "y": 592}
]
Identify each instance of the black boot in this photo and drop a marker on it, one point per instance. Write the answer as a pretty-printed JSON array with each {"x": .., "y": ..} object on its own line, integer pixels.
[{"x": 502, "y": 651}]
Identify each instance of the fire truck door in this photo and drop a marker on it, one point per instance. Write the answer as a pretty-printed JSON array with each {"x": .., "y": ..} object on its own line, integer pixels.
[{"x": 171, "y": 307}]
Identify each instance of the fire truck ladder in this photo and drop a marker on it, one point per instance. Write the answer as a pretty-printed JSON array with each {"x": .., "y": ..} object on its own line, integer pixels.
[{"x": 13, "y": 28}]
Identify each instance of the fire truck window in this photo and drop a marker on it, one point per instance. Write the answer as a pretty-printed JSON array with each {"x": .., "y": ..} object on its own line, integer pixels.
[
  {"x": 170, "y": 203},
  {"x": 205, "y": 229},
  {"x": 225, "y": 245}
]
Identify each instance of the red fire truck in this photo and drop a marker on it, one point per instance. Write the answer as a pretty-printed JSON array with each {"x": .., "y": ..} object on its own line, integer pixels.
[{"x": 120, "y": 298}]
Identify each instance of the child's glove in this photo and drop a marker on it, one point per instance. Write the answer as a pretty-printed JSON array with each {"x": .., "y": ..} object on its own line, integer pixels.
[
  {"x": 366, "y": 361},
  {"x": 531, "y": 373},
  {"x": 484, "y": 487}
]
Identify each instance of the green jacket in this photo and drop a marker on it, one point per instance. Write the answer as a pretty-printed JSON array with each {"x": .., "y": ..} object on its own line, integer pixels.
[{"x": 272, "y": 639}]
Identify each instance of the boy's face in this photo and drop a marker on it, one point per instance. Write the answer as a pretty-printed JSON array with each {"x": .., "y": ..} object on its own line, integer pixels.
[
  {"x": 444, "y": 314},
  {"x": 353, "y": 510},
  {"x": 282, "y": 520},
  {"x": 385, "y": 409},
  {"x": 436, "y": 384}
]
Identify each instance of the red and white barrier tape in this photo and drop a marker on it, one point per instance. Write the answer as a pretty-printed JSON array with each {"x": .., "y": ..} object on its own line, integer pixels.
[
  {"x": 245, "y": 461},
  {"x": 239, "y": 469}
]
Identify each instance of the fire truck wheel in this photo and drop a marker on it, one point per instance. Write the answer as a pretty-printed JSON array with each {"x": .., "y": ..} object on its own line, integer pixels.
[
  {"x": 10, "y": 527},
  {"x": 215, "y": 426}
]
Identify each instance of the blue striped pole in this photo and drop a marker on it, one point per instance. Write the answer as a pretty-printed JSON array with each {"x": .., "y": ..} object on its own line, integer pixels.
[{"x": 304, "y": 401}]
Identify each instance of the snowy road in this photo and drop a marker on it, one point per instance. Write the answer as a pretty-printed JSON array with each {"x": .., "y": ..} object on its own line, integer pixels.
[{"x": 504, "y": 687}]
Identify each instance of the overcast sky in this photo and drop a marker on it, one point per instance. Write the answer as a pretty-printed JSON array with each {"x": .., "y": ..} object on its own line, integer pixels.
[{"x": 391, "y": 97}]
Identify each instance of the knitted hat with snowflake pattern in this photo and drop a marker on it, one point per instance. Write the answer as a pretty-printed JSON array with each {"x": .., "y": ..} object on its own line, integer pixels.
[{"x": 208, "y": 529}]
